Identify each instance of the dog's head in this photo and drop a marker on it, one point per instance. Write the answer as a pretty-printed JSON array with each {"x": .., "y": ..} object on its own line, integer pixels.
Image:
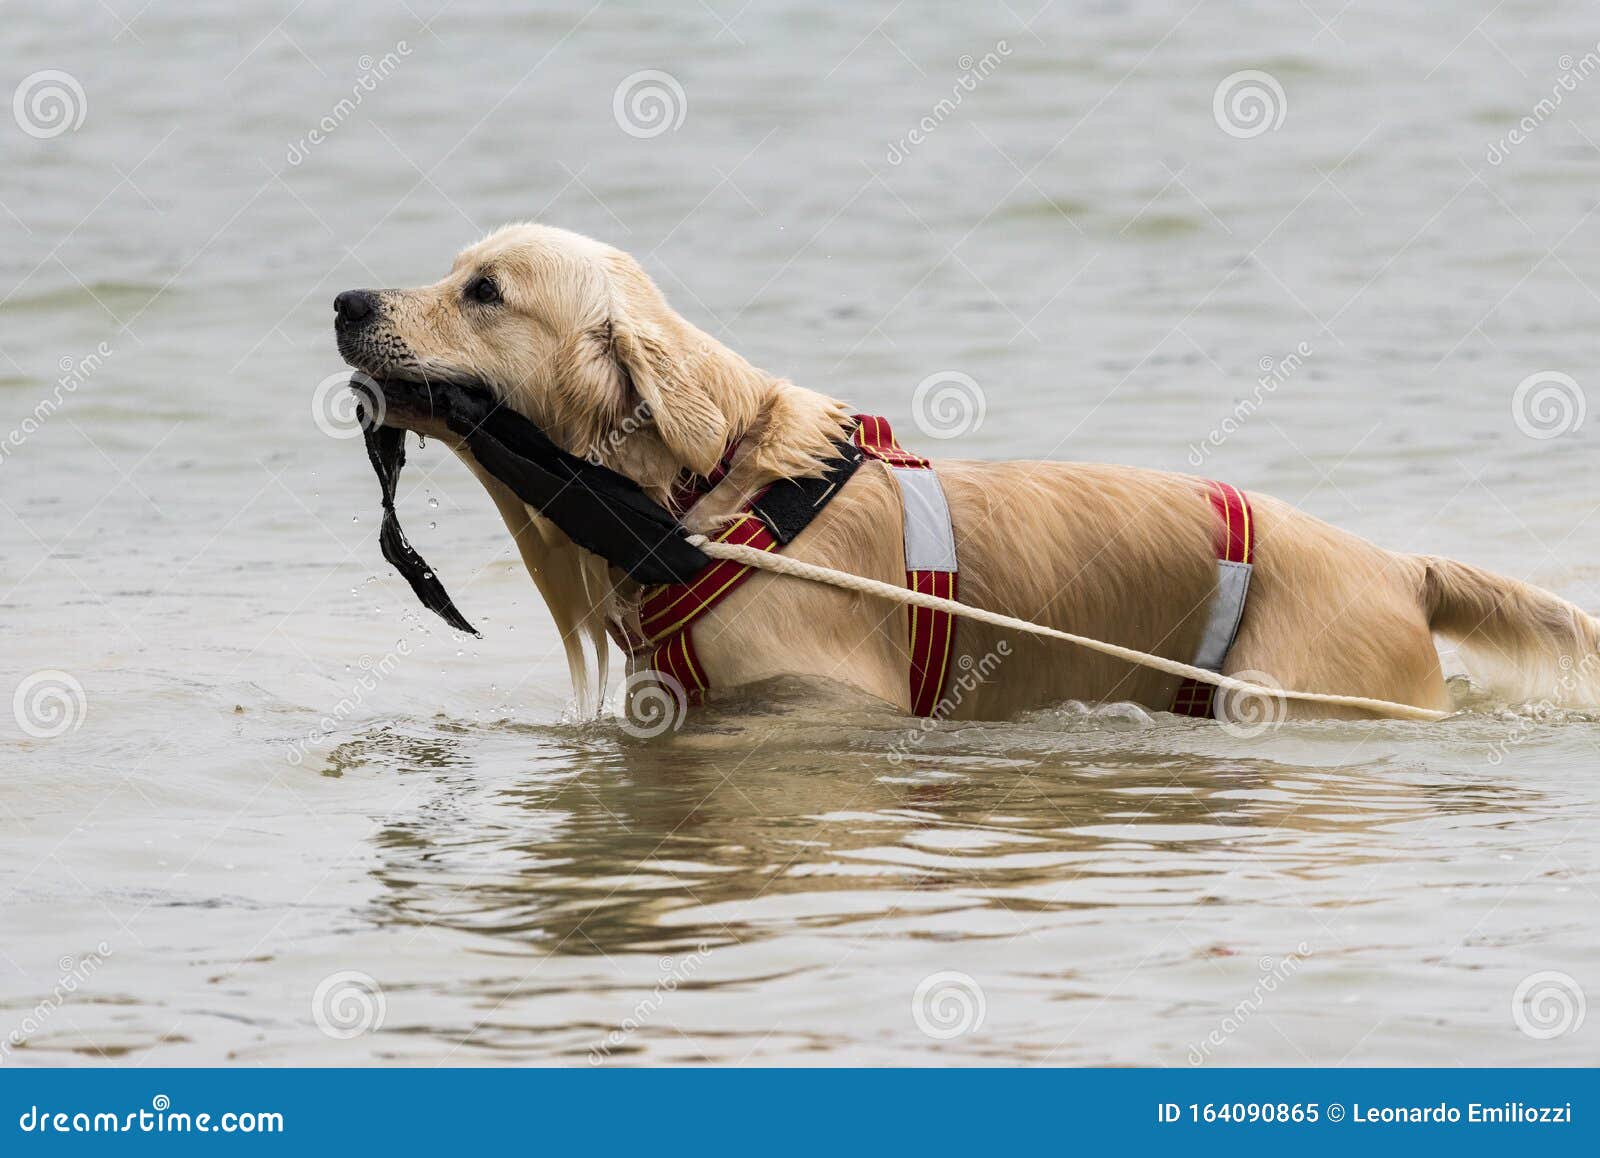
[{"x": 568, "y": 331}]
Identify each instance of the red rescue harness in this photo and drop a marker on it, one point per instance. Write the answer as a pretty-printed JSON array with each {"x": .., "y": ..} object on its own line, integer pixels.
[
  {"x": 667, "y": 614},
  {"x": 1235, "y": 546}
]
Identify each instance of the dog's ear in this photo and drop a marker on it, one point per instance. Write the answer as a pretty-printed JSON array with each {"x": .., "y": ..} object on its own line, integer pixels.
[
  {"x": 592, "y": 393},
  {"x": 661, "y": 375}
]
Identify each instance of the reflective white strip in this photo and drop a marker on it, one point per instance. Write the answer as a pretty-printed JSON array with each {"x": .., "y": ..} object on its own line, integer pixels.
[
  {"x": 930, "y": 540},
  {"x": 1227, "y": 607}
]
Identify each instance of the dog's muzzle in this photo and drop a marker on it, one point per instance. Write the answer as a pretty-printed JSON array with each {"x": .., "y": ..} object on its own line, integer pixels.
[{"x": 363, "y": 338}]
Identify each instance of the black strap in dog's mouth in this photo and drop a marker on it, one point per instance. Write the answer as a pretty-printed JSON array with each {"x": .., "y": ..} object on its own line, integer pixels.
[
  {"x": 597, "y": 508},
  {"x": 386, "y": 447}
]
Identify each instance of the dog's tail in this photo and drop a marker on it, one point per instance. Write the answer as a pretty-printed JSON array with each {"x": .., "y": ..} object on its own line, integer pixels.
[{"x": 1523, "y": 643}]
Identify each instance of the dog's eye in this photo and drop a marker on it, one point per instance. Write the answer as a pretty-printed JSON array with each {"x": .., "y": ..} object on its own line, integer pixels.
[{"x": 483, "y": 290}]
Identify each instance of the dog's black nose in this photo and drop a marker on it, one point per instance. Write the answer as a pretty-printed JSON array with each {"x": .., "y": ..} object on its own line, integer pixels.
[{"x": 353, "y": 307}]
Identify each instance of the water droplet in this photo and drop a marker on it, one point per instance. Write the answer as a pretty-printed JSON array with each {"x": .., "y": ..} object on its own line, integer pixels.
[{"x": 434, "y": 503}]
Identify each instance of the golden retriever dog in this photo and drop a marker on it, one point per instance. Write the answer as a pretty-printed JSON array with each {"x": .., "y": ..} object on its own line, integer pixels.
[{"x": 574, "y": 335}]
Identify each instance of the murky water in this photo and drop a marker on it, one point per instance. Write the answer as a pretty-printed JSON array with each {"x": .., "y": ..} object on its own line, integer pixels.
[{"x": 293, "y": 820}]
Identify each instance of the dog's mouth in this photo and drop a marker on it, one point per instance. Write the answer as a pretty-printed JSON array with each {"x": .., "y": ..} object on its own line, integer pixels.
[
  {"x": 369, "y": 353},
  {"x": 449, "y": 407},
  {"x": 376, "y": 351},
  {"x": 397, "y": 390}
]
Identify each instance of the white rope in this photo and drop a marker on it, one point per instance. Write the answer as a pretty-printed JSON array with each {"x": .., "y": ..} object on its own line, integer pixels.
[{"x": 784, "y": 565}]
